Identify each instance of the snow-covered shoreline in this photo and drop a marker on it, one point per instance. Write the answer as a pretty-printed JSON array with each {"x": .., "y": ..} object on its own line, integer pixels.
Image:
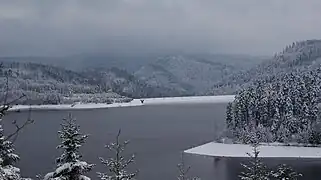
[
  {"x": 189, "y": 100},
  {"x": 214, "y": 149},
  {"x": 133, "y": 103}
]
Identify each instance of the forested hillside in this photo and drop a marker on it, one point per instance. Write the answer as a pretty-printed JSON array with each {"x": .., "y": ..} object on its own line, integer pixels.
[
  {"x": 45, "y": 84},
  {"x": 281, "y": 102},
  {"x": 122, "y": 82}
]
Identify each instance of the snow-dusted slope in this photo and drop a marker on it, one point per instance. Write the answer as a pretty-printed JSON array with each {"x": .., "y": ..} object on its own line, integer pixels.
[
  {"x": 241, "y": 150},
  {"x": 299, "y": 56},
  {"x": 194, "y": 74},
  {"x": 184, "y": 73},
  {"x": 46, "y": 84}
]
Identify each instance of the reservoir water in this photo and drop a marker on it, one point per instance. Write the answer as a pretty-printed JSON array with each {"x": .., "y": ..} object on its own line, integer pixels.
[{"x": 158, "y": 135}]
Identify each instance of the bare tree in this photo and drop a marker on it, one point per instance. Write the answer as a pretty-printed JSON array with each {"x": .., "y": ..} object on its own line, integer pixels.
[
  {"x": 117, "y": 165},
  {"x": 183, "y": 170},
  {"x": 7, "y": 156}
]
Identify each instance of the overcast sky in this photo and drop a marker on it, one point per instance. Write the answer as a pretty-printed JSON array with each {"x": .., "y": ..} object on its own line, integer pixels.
[{"x": 62, "y": 27}]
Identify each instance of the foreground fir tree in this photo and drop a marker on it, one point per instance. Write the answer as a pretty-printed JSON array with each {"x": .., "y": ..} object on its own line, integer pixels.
[
  {"x": 285, "y": 172},
  {"x": 117, "y": 165},
  {"x": 69, "y": 164},
  {"x": 183, "y": 171},
  {"x": 256, "y": 169}
]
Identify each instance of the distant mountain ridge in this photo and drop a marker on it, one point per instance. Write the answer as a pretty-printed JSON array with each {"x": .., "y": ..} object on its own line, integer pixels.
[
  {"x": 299, "y": 56},
  {"x": 193, "y": 74}
]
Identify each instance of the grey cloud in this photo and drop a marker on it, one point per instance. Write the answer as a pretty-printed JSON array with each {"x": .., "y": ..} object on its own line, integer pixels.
[{"x": 60, "y": 27}]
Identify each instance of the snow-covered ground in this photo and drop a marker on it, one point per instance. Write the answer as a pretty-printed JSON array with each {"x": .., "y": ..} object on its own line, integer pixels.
[
  {"x": 267, "y": 151},
  {"x": 135, "y": 102}
]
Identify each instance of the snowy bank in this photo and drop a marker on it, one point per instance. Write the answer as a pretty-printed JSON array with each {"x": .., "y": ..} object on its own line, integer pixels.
[
  {"x": 135, "y": 102},
  {"x": 191, "y": 100},
  {"x": 266, "y": 151}
]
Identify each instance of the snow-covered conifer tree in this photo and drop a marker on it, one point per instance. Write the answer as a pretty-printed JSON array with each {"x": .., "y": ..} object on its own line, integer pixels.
[
  {"x": 117, "y": 166},
  {"x": 229, "y": 116},
  {"x": 69, "y": 164},
  {"x": 285, "y": 172},
  {"x": 256, "y": 170}
]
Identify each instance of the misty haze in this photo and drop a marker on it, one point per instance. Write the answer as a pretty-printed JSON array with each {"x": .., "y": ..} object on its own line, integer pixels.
[{"x": 168, "y": 89}]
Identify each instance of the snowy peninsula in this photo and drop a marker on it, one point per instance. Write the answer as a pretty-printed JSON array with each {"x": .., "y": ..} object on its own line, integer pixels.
[{"x": 214, "y": 149}]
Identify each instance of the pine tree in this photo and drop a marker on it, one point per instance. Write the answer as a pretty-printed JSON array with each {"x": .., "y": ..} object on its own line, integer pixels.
[
  {"x": 285, "y": 172},
  {"x": 69, "y": 164},
  {"x": 229, "y": 117},
  {"x": 117, "y": 166},
  {"x": 183, "y": 170},
  {"x": 256, "y": 170}
]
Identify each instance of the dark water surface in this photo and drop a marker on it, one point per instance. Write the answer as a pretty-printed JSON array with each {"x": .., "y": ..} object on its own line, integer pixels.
[{"x": 158, "y": 134}]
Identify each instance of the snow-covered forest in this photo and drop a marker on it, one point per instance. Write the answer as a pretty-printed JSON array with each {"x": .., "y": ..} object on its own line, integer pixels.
[
  {"x": 281, "y": 104},
  {"x": 45, "y": 84}
]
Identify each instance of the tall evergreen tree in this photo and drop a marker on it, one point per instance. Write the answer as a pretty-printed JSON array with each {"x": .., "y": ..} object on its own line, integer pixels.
[
  {"x": 117, "y": 165},
  {"x": 69, "y": 164}
]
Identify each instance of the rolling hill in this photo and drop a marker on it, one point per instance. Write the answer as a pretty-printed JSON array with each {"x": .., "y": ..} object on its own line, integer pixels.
[{"x": 46, "y": 84}]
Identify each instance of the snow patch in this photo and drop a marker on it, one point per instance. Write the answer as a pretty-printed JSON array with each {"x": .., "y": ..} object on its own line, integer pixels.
[
  {"x": 133, "y": 103},
  {"x": 266, "y": 151}
]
